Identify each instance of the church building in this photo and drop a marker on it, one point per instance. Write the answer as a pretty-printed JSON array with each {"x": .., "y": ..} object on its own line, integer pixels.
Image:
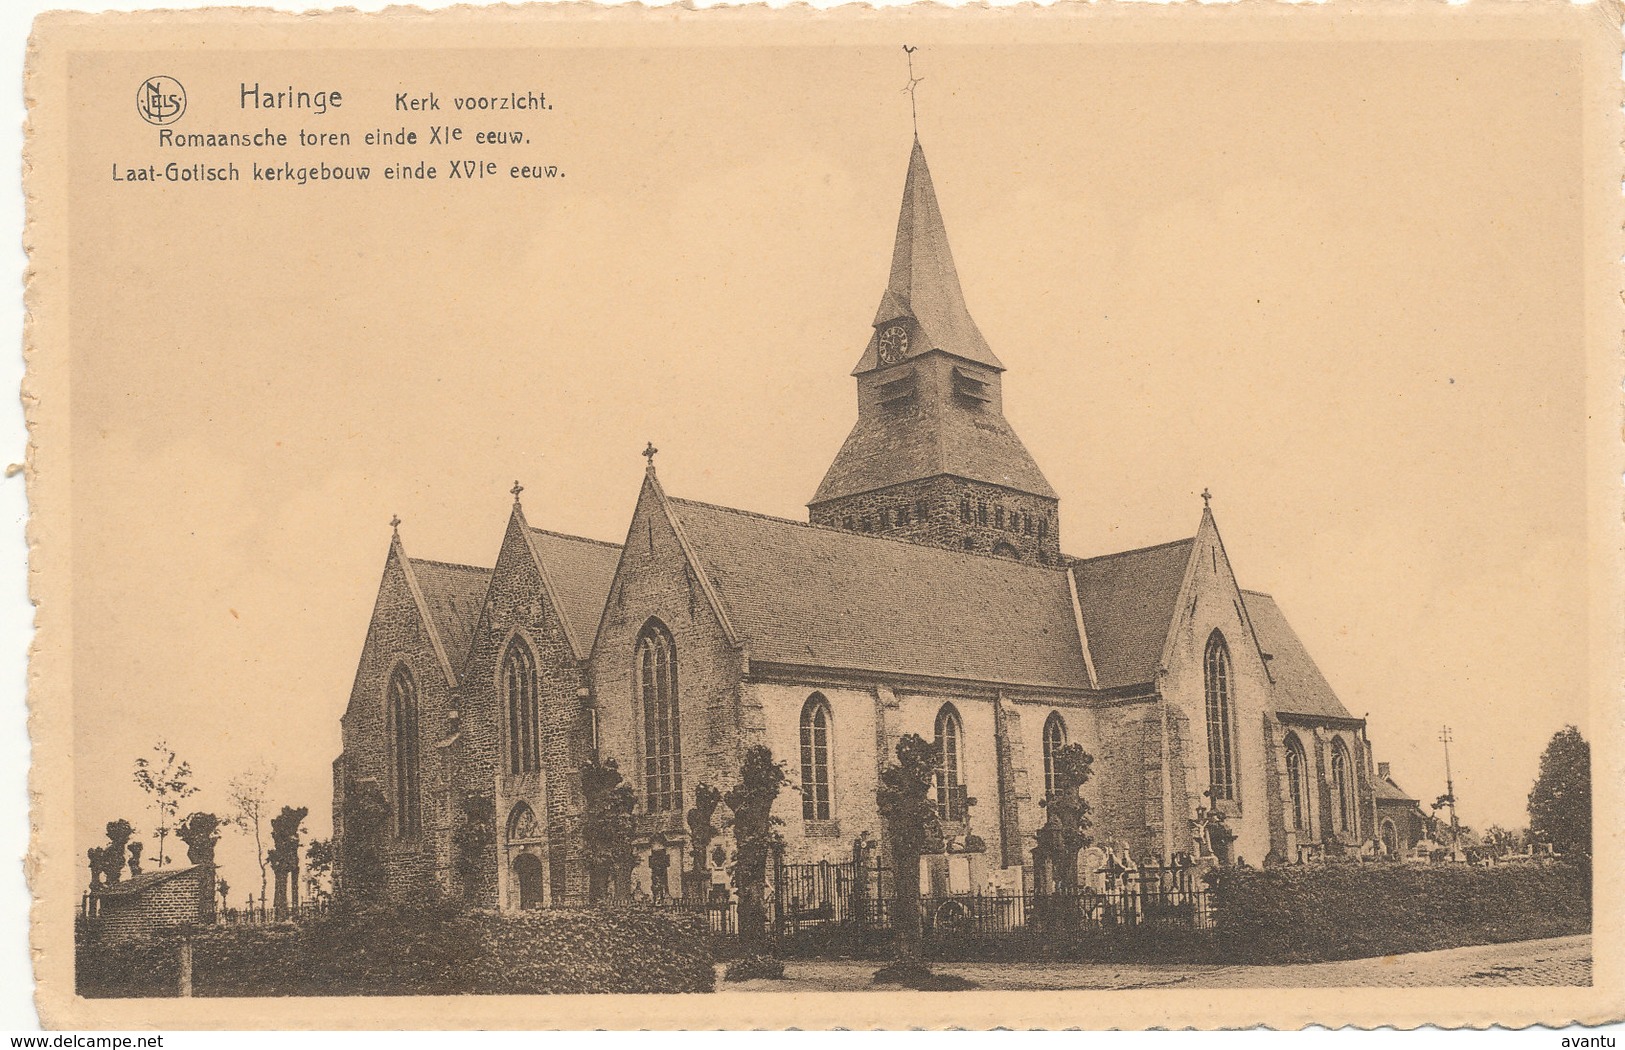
[{"x": 928, "y": 592}]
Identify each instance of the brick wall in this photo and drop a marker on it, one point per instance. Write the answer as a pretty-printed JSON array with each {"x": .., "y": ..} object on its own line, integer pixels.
[
  {"x": 185, "y": 899},
  {"x": 1406, "y": 818}
]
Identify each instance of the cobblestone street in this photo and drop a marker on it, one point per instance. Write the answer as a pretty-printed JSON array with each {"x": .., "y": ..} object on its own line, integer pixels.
[{"x": 1564, "y": 961}]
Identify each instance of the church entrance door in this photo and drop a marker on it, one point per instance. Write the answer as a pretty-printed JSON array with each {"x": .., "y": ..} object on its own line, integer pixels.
[{"x": 527, "y": 868}]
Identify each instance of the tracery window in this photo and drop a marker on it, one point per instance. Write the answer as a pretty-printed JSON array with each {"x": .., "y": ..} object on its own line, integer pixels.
[
  {"x": 816, "y": 798},
  {"x": 1297, "y": 774},
  {"x": 403, "y": 732},
  {"x": 1342, "y": 787},
  {"x": 522, "y": 824},
  {"x": 1054, "y": 740},
  {"x": 1220, "y": 744},
  {"x": 951, "y": 794},
  {"x": 656, "y": 672},
  {"x": 519, "y": 692}
]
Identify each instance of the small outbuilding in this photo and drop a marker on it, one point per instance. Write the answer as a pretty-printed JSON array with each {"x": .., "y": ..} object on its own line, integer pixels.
[{"x": 156, "y": 901}]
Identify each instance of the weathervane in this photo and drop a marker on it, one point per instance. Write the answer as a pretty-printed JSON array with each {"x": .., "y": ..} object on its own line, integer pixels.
[{"x": 913, "y": 82}]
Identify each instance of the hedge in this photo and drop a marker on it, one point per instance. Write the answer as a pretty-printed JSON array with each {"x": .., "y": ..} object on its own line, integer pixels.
[
  {"x": 1322, "y": 912},
  {"x": 421, "y": 951}
]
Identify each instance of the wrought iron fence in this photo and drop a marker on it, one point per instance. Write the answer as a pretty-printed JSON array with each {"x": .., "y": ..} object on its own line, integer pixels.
[{"x": 721, "y": 916}]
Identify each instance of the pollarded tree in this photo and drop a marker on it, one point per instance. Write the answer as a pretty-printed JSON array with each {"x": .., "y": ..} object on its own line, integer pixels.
[
  {"x": 606, "y": 825},
  {"x": 751, "y": 801},
  {"x": 1560, "y": 802},
  {"x": 909, "y": 819},
  {"x": 284, "y": 856},
  {"x": 200, "y": 832},
  {"x": 107, "y": 862},
  {"x": 702, "y": 831},
  {"x": 1066, "y": 828}
]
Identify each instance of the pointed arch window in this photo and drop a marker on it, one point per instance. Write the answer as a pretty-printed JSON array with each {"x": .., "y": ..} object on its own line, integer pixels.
[
  {"x": 403, "y": 736},
  {"x": 1054, "y": 740},
  {"x": 1221, "y": 756},
  {"x": 656, "y": 671},
  {"x": 951, "y": 794},
  {"x": 1297, "y": 774},
  {"x": 1342, "y": 786},
  {"x": 519, "y": 693},
  {"x": 816, "y": 722}
]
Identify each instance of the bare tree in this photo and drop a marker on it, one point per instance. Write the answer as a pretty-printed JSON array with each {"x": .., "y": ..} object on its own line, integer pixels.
[
  {"x": 249, "y": 809},
  {"x": 168, "y": 781}
]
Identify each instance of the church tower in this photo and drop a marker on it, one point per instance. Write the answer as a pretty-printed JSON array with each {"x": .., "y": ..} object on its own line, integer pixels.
[{"x": 932, "y": 458}]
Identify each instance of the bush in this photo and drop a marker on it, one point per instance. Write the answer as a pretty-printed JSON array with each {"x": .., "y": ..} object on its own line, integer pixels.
[
  {"x": 123, "y": 967},
  {"x": 755, "y": 967},
  {"x": 911, "y": 973},
  {"x": 1349, "y": 911},
  {"x": 440, "y": 949}
]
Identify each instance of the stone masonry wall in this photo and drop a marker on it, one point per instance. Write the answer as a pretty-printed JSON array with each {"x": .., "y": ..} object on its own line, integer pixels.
[
  {"x": 951, "y": 512},
  {"x": 396, "y": 636},
  {"x": 518, "y": 611},
  {"x": 655, "y": 582}
]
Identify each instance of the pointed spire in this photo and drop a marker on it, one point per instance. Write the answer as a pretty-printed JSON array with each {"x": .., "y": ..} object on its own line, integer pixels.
[{"x": 924, "y": 285}]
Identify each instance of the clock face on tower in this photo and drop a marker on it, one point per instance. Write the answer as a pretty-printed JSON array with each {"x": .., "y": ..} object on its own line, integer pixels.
[{"x": 893, "y": 344}]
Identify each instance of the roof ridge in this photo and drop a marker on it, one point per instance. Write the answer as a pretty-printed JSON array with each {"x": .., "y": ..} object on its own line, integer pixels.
[
  {"x": 449, "y": 564},
  {"x": 1133, "y": 550},
  {"x": 864, "y": 535},
  {"x": 569, "y": 536},
  {"x": 1261, "y": 594}
]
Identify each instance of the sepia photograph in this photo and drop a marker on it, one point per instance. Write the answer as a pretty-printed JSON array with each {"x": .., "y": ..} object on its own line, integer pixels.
[{"x": 781, "y": 511}]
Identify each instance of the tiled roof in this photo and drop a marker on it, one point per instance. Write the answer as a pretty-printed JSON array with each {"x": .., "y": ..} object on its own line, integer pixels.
[
  {"x": 885, "y": 449},
  {"x": 137, "y": 884},
  {"x": 1128, "y": 604},
  {"x": 454, "y": 595},
  {"x": 798, "y": 594},
  {"x": 924, "y": 283},
  {"x": 1389, "y": 791},
  {"x": 582, "y": 571},
  {"x": 1300, "y": 688}
]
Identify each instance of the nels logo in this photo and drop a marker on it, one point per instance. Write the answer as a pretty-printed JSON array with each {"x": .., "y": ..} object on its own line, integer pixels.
[{"x": 160, "y": 100}]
